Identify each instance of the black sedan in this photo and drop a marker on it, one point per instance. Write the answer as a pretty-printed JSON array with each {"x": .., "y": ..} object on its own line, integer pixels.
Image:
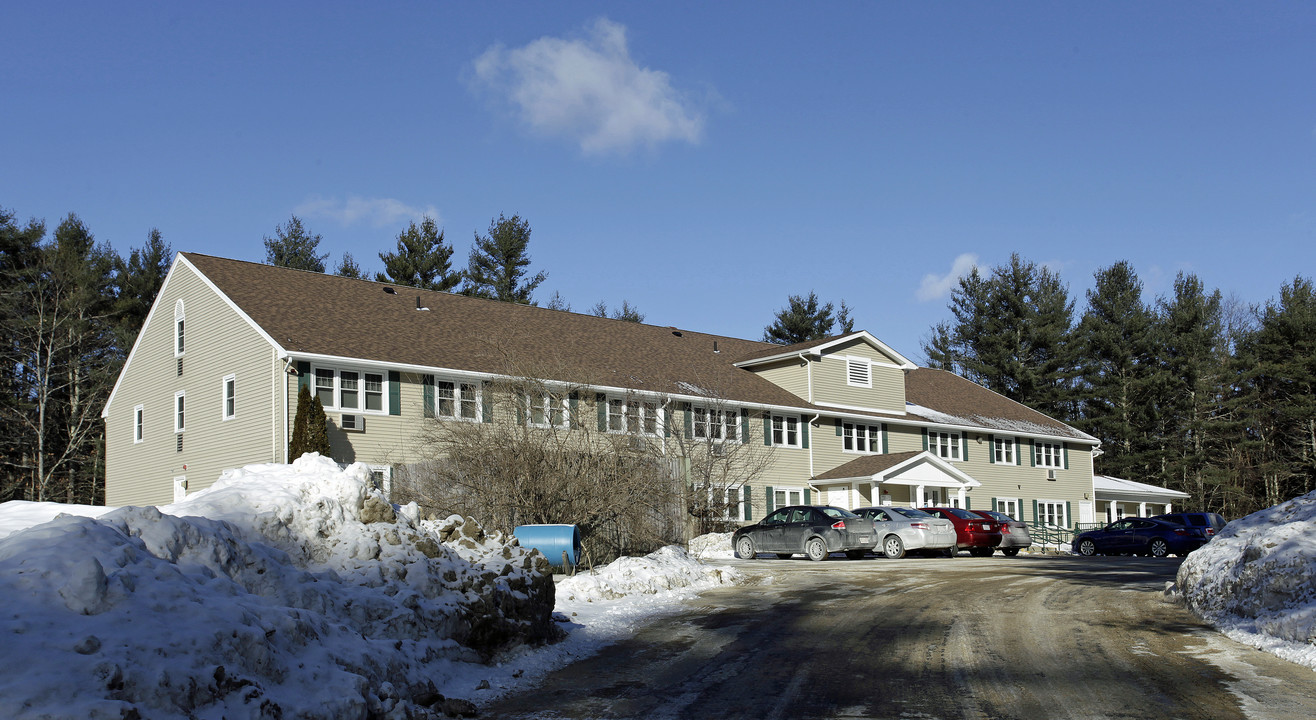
[
  {"x": 815, "y": 530},
  {"x": 1137, "y": 536}
]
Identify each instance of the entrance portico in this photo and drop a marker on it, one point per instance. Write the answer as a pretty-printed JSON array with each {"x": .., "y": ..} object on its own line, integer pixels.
[{"x": 909, "y": 478}]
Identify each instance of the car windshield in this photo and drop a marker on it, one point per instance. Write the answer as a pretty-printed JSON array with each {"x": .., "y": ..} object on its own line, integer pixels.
[
  {"x": 835, "y": 512},
  {"x": 962, "y": 513},
  {"x": 911, "y": 512},
  {"x": 998, "y": 515}
]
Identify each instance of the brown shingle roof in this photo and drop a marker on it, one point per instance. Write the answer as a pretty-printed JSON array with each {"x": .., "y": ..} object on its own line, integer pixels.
[
  {"x": 866, "y": 466},
  {"x": 316, "y": 313}
]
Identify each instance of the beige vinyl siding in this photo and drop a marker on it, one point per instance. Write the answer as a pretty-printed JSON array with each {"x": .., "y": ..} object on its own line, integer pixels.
[
  {"x": 830, "y": 386},
  {"x": 790, "y": 375},
  {"x": 386, "y": 439},
  {"x": 218, "y": 343}
]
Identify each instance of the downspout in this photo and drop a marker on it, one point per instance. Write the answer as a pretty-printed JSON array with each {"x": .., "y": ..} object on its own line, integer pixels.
[
  {"x": 282, "y": 388},
  {"x": 809, "y": 482}
]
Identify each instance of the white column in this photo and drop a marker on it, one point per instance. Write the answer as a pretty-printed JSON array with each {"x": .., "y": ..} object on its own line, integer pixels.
[
  {"x": 1142, "y": 509},
  {"x": 962, "y": 498},
  {"x": 1167, "y": 508},
  {"x": 918, "y": 496}
]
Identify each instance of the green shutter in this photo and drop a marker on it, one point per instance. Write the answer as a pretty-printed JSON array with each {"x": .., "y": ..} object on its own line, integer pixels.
[
  {"x": 1064, "y": 448},
  {"x": 427, "y": 390},
  {"x": 968, "y": 502},
  {"x": 769, "y": 496},
  {"x": 521, "y": 414},
  {"x": 744, "y": 429},
  {"x": 601, "y": 402},
  {"x": 744, "y": 493},
  {"x": 964, "y": 446},
  {"x": 838, "y": 427},
  {"x": 486, "y": 400},
  {"x": 667, "y": 421},
  {"x": 689, "y": 420},
  {"x": 1036, "y": 520},
  {"x": 1069, "y": 515},
  {"x": 303, "y": 376},
  {"x": 573, "y": 404},
  {"x": 767, "y": 429},
  {"x": 1032, "y": 457},
  {"x": 808, "y": 497},
  {"x": 991, "y": 457},
  {"x": 925, "y": 439},
  {"x": 804, "y": 436},
  {"x": 885, "y": 448},
  {"x": 993, "y": 507},
  {"x": 394, "y": 392}
]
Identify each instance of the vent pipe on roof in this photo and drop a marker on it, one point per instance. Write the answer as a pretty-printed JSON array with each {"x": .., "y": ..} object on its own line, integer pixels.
[
  {"x": 715, "y": 347},
  {"x": 390, "y": 290},
  {"x": 418, "y": 305}
]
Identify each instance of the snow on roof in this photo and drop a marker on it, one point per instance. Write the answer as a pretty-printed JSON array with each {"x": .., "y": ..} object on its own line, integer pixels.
[
  {"x": 1108, "y": 484},
  {"x": 1023, "y": 427}
]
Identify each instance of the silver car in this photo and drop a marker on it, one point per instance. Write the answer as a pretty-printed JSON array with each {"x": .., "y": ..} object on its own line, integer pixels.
[
  {"x": 1014, "y": 533},
  {"x": 900, "y": 529}
]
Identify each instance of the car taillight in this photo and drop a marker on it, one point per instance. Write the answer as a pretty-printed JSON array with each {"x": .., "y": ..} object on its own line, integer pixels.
[
  {"x": 838, "y": 525},
  {"x": 1180, "y": 531},
  {"x": 1005, "y": 529},
  {"x": 1210, "y": 532},
  {"x": 919, "y": 526}
]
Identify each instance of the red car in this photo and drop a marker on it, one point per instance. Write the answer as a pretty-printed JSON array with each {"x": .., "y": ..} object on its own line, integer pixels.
[{"x": 977, "y": 534}]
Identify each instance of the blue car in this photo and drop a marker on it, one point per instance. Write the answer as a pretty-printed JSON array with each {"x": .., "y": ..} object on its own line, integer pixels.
[{"x": 1138, "y": 536}]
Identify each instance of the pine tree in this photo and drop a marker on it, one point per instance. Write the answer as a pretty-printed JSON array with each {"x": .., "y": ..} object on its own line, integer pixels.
[
  {"x": 626, "y": 312},
  {"x": 803, "y": 319},
  {"x": 1118, "y": 373},
  {"x": 310, "y": 426},
  {"x": 347, "y": 267},
  {"x": 293, "y": 246},
  {"x": 137, "y": 281},
  {"x": 498, "y": 263},
  {"x": 422, "y": 259}
]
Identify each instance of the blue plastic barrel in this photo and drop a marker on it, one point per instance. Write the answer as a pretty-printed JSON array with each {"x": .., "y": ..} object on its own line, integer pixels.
[{"x": 552, "y": 540}]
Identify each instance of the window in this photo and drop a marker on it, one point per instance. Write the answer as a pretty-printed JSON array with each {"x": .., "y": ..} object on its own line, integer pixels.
[
  {"x": 1052, "y": 513},
  {"x": 786, "y": 430},
  {"x": 1009, "y": 506},
  {"x": 178, "y": 329},
  {"x": 716, "y": 424},
  {"x": 945, "y": 445},
  {"x": 1050, "y": 455},
  {"x": 547, "y": 410},
  {"x": 179, "y": 417},
  {"x": 859, "y": 372},
  {"x": 1003, "y": 452},
  {"x": 350, "y": 390},
  {"x": 457, "y": 400},
  {"x": 726, "y": 503},
  {"x": 861, "y": 438},
  {"x": 138, "y": 429},
  {"x": 787, "y": 496},
  {"x": 229, "y": 397},
  {"x": 633, "y": 415}
]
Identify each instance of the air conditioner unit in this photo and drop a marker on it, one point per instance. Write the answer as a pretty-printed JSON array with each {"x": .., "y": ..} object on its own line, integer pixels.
[
  {"x": 1050, "y": 474},
  {"x": 352, "y": 422}
]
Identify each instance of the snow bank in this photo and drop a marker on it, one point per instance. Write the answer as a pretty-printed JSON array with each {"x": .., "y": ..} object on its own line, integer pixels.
[
  {"x": 290, "y": 591},
  {"x": 713, "y": 546},
  {"x": 1256, "y": 580},
  {"x": 668, "y": 568}
]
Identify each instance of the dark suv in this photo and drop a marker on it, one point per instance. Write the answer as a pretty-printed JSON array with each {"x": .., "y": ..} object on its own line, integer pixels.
[{"x": 1201, "y": 524}]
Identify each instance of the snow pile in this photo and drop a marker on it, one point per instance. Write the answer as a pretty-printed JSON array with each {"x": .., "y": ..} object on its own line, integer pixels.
[
  {"x": 1256, "y": 580},
  {"x": 713, "y": 546},
  {"x": 290, "y": 591},
  {"x": 669, "y": 568}
]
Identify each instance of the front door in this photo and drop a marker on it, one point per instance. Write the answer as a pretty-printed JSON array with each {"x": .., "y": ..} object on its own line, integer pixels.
[{"x": 839, "y": 497}]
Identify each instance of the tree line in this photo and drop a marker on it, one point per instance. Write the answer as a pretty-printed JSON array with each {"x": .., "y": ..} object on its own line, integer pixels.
[{"x": 1193, "y": 391}]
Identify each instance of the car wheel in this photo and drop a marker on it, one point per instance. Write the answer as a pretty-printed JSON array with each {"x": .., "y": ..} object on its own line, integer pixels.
[
  {"x": 1159, "y": 548},
  {"x": 980, "y": 552},
  {"x": 784, "y": 556},
  {"x": 1010, "y": 552},
  {"x": 855, "y": 554},
  {"x": 1087, "y": 547},
  {"x": 745, "y": 548},
  {"x": 951, "y": 552},
  {"x": 893, "y": 547},
  {"x": 815, "y": 549}
]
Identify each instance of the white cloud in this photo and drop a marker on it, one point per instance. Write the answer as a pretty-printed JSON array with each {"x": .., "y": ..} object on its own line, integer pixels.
[
  {"x": 590, "y": 90},
  {"x": 935, "y": 287},
  {"x": 379, "y": 212}
]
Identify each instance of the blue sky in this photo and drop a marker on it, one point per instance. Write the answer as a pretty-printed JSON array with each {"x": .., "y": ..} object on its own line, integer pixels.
[{"x": 702, "y": 161}]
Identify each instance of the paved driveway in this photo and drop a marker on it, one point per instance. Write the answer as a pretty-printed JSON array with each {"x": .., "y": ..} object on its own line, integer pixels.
[{"x": 1026, "y": 637}]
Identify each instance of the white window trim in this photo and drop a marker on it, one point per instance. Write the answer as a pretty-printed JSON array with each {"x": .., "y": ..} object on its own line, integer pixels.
[
  {"x": 1057, "y": 459},
  {"x": 729, "y": 422},
  {"x": 549, "y": 400},
  {"x": 139, "y": 424},
  {"x": 1018, "y": 505},
  {"x": 361, "y": 373},
  {"x": 224, "y": 397},
  {"x": 785, "y": 424},
  {"x": 873, "y": 435},
  {"x": 643, "y": 406},
  {"x": 180, "y": 417},
  {"x": 1059, "y": 505},
  {"x": 853, "y": 363},
  {"x": 180, "y": 339},
  {"x": 934, "y": 444},
  {"x": 1014, "y": 450},
  {"x": 476, "y": 398},
  {"x": 798, "y": 490}
]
